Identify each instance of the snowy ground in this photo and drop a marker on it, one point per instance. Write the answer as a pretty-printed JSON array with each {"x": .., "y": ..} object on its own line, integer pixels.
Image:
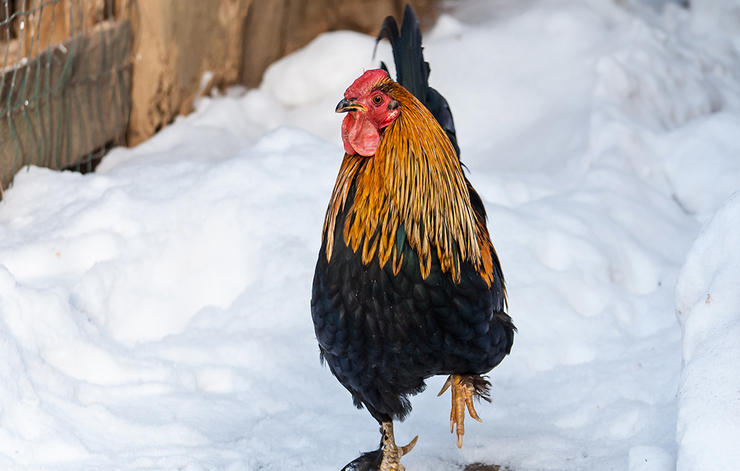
[{"x": 154, "y": 315}]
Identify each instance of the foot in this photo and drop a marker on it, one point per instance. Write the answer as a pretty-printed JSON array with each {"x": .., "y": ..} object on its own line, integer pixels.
[
  {"x": 464, "y": 389},
  {"x": 385, "y": 458},
  {"x": 391, "y": 453}
]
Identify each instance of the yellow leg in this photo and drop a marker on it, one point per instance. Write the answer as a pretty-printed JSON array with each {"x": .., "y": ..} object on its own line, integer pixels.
[
  {"x": 391, "y": 453},
  {"x": 464, "y": 389}
]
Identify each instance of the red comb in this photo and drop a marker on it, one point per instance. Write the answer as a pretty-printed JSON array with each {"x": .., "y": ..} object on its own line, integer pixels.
[{"x": 365, "y": 82}]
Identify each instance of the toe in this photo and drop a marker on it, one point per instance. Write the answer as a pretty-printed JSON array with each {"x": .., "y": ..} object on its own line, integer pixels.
[
  {"x": 469, "y": 394},
  {"x": 405, "y": 450}
]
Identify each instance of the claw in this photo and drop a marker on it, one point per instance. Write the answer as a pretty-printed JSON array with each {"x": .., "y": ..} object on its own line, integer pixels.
[
  {"x": 464, "y": 389},
  {"x": 471, "y": 408},
  {"x": 446, "y": 386},
  {"x": 406, "y": 449}
]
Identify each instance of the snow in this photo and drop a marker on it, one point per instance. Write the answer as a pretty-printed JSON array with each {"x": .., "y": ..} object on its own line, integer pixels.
[
  {"x": 154, "y": 315},
  {"x": 709, "y": 309}
]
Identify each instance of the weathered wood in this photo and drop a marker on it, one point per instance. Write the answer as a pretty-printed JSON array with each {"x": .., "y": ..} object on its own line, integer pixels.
[
  {"x": 274, "y": 28},
  {"x": 234, "y": 41},
  {"x": 176, "y": 44},
  {"x": 44, "y": 27},
  {"x": 67, "y": 102}
]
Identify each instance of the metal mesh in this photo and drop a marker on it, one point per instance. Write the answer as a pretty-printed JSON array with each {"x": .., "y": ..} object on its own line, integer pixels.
[{"x": 64, "y": 82}]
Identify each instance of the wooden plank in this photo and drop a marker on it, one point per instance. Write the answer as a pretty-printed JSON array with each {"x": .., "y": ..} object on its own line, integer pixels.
[
  {"x": 45, "y": 26},
  {"x": 67, "y": 102}
]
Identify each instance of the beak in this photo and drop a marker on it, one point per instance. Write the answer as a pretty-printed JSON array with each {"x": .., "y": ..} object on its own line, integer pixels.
[{"x": 348, "y": 105}]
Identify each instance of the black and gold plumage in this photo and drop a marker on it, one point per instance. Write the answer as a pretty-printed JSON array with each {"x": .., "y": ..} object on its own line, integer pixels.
[{"x": 408, "y": 284}]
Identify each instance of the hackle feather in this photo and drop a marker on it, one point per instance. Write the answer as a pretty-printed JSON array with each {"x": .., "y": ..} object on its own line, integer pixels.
[{"x": 415, "y": 183}]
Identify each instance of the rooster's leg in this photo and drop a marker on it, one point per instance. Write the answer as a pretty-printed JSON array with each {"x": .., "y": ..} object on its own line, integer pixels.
[
  {"x": 464, "y": 389},
  {"x": 385, "y": 458},
  {"x": 391, "y": 452}
]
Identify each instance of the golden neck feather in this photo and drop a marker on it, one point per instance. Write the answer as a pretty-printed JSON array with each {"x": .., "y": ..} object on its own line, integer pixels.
[{"x": 415, "y": 180}]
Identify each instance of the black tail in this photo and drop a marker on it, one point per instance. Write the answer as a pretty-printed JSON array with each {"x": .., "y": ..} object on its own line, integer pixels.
[{"x": 412, "y": 71}]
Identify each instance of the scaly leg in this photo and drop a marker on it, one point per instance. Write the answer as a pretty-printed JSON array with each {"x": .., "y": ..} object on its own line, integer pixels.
[
  {"x": 386, "y": 458},
  {"x": 464, "y": 389},
  {"x": 391, "y": 453}
]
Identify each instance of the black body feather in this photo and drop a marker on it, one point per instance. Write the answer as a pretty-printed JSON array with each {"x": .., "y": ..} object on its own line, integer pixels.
[{"x": 382, "y": 334}]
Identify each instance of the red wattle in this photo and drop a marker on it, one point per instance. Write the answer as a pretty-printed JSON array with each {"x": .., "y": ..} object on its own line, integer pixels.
[{"x": 359, "y": 135}]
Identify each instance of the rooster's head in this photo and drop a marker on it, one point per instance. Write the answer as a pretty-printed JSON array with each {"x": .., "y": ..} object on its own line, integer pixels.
[{"x": 370, "y": 109}]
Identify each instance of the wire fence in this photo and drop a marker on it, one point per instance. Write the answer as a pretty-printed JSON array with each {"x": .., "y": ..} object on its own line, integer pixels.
[{"x": 65, "y": 80}]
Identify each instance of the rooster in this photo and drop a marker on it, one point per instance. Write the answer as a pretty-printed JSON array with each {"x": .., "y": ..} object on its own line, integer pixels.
[{"x": 407, "y": 283}]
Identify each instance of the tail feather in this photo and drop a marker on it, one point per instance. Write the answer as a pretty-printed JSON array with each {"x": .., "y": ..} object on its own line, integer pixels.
[
  {"x": 412, "y": 71},
  {"x": 389, "y": 31}
]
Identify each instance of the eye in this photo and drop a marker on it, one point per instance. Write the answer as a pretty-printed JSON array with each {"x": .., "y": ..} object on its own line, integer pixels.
[{"x": 377, "y": 100}]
